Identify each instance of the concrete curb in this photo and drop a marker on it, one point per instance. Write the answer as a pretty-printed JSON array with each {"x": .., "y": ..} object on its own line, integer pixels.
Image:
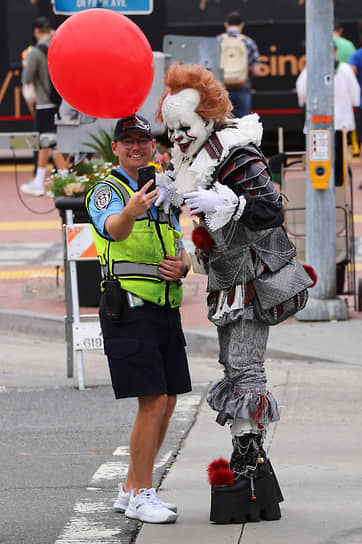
[
  {"x": 200, "y": 342},
  {"x": 32, "y": 324}
]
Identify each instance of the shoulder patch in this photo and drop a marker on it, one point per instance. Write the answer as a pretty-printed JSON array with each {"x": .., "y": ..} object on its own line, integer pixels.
[{"x": 102, "y": 198}]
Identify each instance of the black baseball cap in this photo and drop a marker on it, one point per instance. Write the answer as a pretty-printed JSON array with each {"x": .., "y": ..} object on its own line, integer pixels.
[{"x": 133, "y": 123}]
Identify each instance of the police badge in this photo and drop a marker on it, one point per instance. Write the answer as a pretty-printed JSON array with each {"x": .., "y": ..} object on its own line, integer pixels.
[{"x": 102, "y": 198}]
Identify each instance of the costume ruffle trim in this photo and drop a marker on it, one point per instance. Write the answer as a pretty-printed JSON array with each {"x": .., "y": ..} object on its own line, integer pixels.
[
  {"x": 241, "y": 132},
  {"x": 261, "y": 408}
]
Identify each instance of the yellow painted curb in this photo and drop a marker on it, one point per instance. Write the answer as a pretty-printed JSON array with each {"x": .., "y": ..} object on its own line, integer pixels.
[
  {"x": 20, "y": 274},
  {"x": 30, "y": 225},
  {"x": 20, "y": 167}
]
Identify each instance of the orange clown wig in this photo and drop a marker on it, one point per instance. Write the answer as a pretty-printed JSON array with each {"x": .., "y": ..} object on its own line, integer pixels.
[{"x": 214, "y": 99}]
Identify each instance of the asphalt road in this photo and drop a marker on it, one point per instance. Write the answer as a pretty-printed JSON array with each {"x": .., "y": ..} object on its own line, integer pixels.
[{"x": 62, "y": 455}]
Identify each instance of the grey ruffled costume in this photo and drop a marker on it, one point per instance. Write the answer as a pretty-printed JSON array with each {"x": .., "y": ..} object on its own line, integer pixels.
[
  {"x": 238, "y": 256},
  {"x": 236, "y": 260}
]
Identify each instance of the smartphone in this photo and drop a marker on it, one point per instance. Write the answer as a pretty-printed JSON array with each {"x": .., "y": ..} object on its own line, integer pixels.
[{"x": 145, "y": 173}]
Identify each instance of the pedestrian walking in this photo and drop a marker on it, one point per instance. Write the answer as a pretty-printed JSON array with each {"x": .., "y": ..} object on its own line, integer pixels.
[
  {"x": 240, "y": 62},
  {"x": 356, "y": 64},
  {"x": 38, "y": 92},
  {"x": 345, "y": 48},
  {"x": 347, "y": 94}
]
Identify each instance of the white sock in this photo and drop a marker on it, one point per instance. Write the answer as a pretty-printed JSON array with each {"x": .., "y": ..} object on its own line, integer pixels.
[{"x": 40, "y": 176}]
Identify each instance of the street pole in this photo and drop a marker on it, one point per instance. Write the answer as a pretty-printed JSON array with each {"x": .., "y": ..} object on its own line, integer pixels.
[{"x": 323, "y": 305}]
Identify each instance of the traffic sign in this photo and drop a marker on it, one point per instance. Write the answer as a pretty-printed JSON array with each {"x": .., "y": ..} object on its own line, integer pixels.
[{"x": 127, "y": 7}]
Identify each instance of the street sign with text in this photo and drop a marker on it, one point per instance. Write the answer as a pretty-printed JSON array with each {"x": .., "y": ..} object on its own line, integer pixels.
[{"x": 127, "y": 7}]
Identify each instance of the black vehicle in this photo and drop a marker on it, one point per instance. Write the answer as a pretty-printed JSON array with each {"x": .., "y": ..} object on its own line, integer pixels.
[{"x": 277, "y": 27}]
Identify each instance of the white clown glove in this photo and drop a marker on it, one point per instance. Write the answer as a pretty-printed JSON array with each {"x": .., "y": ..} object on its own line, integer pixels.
[
  {"x": 203, "y": 200},
  {"x": 163, "y": 198},
  {"x": 220, "y": 204}
]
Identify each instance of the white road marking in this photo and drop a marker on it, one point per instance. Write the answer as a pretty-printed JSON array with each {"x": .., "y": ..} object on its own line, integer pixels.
[
  {"x": 88, "y": 524},
  {"x": 110, "y": 471},
  {"x": 84, "y": 527},
  {"x": 121, "y": 450}
]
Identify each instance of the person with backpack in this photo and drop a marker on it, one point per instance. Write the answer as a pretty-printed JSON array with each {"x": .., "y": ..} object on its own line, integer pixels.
[
  {"x": 44, "y": 97},
  {"x": 240, "y": 62}
]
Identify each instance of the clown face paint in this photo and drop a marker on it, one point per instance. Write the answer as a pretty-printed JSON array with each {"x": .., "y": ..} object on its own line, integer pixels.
[{"x": 185, "y": 127}]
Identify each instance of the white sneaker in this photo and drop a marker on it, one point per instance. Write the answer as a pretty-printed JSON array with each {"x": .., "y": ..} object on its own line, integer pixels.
[
  {"x": 32, "y": 188},
  {"x": 122, "y": 501},
  {"x": 146, "y": 507}
]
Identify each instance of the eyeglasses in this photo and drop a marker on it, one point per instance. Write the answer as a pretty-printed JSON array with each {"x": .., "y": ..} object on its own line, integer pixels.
[{"x": 128, "y": 143}]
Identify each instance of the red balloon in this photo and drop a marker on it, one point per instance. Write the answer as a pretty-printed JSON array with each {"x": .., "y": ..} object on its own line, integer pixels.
[{"x": 101, "y": 63}]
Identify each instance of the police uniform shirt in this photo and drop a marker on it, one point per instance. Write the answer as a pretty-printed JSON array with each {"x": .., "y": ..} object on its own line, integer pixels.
[{"x": 105, "y": 201}]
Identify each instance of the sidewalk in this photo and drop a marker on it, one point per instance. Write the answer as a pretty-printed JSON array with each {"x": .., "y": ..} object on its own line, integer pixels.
[
  {"x": 315, "y": 448},
  {"x": 315, "y": 451},
  {"x": 314, "y": 370}
]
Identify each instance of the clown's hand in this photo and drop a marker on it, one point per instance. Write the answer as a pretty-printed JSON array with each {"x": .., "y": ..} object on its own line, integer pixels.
[
  {"x": 220, "y": 205},
  {"x": 164, "y": 184},
  {"x": 203, "y": 200},
  {"x": 163, "y": 198}
]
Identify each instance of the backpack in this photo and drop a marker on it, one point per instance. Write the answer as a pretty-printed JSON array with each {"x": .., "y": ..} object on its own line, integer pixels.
[
  {"x": 234, "y": 60},
  {"x": 54, "y": 96}
]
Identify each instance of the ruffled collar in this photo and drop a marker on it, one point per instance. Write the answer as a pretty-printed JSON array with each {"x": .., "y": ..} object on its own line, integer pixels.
[{"x": 189, "y": 175}]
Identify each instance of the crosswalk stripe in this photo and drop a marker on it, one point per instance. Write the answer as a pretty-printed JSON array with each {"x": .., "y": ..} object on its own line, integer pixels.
[{"x": 92, "y": 520}]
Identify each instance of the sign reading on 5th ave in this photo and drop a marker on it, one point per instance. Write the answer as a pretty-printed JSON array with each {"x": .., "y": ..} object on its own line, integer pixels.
[{"x": 68, "y": 7}]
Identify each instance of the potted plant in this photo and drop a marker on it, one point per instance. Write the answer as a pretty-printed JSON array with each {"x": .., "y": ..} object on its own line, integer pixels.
[{"x": 68, "y": 189}]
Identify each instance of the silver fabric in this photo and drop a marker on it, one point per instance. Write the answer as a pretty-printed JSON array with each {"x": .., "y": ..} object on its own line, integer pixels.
[
  {"x": 238, "y": 256},
  {"x": 231, "y": 261},
  {"x": 275, "y": 288},
  {"x": 256, "y": 175},
  {"x": 242, "y": 392}
]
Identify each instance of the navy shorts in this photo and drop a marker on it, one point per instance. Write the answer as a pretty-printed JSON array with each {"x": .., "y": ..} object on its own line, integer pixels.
[
  {"x": 44, "y": 120},
  {"x": 146, "y": 351}
]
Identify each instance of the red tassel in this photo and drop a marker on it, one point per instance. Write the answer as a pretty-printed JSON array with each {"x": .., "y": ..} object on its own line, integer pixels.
[
  {"x": 201, "y": 238},
  {"x": 311, "y": 273}
]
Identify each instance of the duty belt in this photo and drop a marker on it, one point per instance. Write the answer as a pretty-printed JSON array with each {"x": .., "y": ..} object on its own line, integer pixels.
[{"x": 127, "y": 268}]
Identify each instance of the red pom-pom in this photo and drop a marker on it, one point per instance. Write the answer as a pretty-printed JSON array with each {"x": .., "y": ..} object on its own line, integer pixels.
[
  {"x": 220, "y": 473},
  {"x": 201, "y": 238},
  {"x": 311, "y": 273},
  {"x": 218, "y": 463},
  {"x": 222, "y": 476}
]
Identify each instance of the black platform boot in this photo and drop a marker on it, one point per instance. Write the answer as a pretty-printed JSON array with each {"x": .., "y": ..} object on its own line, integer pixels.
[{"x": 256, "y": 493}]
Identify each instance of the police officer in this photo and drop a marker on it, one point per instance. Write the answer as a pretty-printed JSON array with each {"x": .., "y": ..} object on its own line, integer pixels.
[{"x": 142, "y": 260}]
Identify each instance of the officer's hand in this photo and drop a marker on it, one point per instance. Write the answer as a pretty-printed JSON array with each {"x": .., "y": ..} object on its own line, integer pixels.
[
  {"x": 141, "y": 201},
  {"x": 171, "y": 268}
]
